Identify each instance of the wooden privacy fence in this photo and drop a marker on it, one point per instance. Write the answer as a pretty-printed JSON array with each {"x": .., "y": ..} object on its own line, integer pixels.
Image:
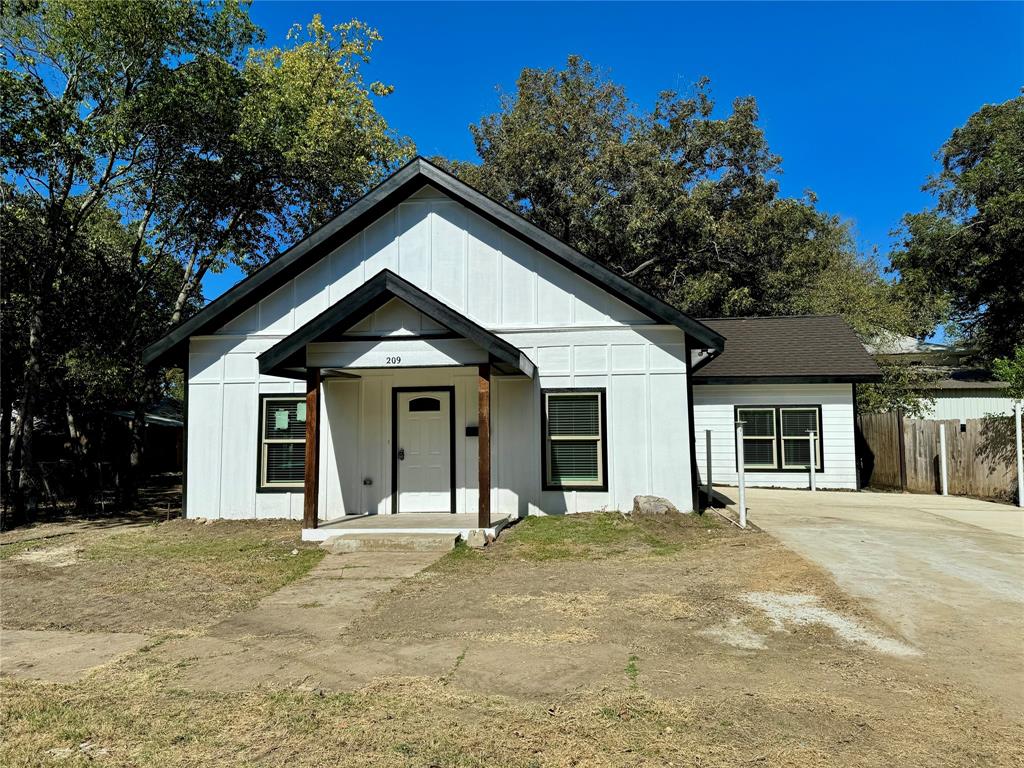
[{"x": 902, "y": 453}]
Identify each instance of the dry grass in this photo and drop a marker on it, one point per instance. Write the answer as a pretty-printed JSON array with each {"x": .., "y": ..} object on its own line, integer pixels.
[
  {"x": 131, "y": 717},
  {"x": 177, "y": 575},
  {"x": 578, "y": 643}
]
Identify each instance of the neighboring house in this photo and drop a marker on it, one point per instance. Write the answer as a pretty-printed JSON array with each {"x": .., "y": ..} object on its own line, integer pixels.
[
  {"x": 782, "y": 377},
  {"x": 961, "y": 391},
  {"x": 428, "y": 350},
  {"x": 163, "y": 447}
]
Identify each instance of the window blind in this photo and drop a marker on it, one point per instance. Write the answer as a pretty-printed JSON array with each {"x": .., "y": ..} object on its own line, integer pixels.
[
  {"x": 283, "y": 442},
  {"x": 573, "y": 439},
  {"x": 796, "y": 449},
  {"x": 758, "y": 437}
]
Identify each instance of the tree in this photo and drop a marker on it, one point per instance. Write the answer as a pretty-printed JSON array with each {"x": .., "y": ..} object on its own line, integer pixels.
[
  {"x": 964, "y": 254},
  {"x": 681, "y": 201},
  {"x": 1011, "y": 370},
  {"x": 205, "y": 155}
]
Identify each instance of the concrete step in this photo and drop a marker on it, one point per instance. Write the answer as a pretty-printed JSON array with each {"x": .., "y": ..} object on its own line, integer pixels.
[{"x": 389, "y": 541}]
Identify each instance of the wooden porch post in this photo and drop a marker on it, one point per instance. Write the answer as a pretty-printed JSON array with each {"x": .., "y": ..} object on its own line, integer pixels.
[
  {"x": 484, "y": 445},
  {"x": 312, "y": 480}
]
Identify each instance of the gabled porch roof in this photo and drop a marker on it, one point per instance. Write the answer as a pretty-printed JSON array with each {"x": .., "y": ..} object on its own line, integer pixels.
[{"x": 288, "y": 357}]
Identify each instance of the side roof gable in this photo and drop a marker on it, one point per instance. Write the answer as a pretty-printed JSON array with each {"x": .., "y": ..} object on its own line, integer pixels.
[
  {"x": 398, "y": 187},
  {"x": 289, "y": 354}
]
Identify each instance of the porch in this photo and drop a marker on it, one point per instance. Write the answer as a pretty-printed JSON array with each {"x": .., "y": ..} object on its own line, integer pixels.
[
  {"x": 401, "y": 386},
  {"x": 462, "y": 524}
]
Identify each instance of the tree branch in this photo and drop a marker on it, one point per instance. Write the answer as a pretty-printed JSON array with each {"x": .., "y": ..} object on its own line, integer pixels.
[{"x": 641, "y": 268}]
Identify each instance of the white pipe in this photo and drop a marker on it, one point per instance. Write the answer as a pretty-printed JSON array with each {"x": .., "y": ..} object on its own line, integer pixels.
[
  {"x": 740, "y": 480},
  {"x": 707, "y": 460},
  {"x": 812, "y": 459},
  {"x": 942, "y": 459},
  {"x": 1020, "y": 457}
]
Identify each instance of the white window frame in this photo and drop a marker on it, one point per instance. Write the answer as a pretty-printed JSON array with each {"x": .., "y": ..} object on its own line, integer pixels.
[
  {"x": 264, "y": 485},
  {"x": 774, "y": 438},
  {"x": 549, "y": 481},
  {"x": 818, "y": 453}
]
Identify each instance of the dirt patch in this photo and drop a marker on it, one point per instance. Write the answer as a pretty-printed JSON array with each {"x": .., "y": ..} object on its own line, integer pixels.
[
  {"x": 59, "y": 556},
  {"x": 61, "y": 656},
  {"x": 805, "y": 610},
  {"x": 152, "y": 578},
  {"x": 737, "y": 634}
]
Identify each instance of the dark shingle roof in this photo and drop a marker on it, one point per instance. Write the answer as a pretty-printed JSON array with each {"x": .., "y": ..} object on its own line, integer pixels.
[
  {"x": 806, "y": 348},
  {"x": 967, "y": 378}
]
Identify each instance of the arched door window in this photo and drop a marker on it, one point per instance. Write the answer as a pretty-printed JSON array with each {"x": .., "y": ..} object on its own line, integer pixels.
[{"x": 421, "y": 404}]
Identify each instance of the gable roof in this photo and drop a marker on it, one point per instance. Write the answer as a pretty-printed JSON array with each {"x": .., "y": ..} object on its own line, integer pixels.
[
  {"x": 805, "y": 349},
  {"x": 397, "y": 187},
  {"x": 289, "y": 355}
]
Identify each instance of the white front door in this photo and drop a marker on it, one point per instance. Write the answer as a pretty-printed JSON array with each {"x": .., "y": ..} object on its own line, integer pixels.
[{"x": 424, "y": 451}]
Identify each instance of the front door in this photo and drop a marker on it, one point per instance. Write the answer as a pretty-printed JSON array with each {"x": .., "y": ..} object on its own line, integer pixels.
[{"x": 424, "y": 451}]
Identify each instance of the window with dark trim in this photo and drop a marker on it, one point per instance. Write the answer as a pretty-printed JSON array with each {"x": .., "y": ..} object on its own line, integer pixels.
[
  {"x": 775, "y": 437},
  {"x": 759, "y": 438},
  {"x": 282, "y": 459},
  {"x": 575, "y": 454}
]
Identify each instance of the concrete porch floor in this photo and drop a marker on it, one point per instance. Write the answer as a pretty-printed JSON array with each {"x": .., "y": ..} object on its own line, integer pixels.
[{"x": 408, "y": 522}]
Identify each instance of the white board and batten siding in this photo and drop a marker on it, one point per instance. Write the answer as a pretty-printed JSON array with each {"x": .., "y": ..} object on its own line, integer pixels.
[
  {"x": 714, "y": 406},
  {"x": 643, "y": 373},
  {"x": 577, "y": 334}
]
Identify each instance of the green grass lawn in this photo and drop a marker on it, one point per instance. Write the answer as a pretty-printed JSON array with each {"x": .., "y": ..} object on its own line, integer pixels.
[{"x": 603, "y": 534}]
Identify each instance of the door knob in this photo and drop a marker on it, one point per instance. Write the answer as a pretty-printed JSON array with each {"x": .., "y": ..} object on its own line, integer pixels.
[{"x": 401, "y": 454}]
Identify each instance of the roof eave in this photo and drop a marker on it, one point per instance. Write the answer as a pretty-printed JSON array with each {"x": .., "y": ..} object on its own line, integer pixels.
[
  {"x": 848, "y": 378},
  {"x": 413, "y": 176}
]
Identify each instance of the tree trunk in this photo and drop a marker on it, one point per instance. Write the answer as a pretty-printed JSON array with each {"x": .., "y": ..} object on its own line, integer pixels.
[
  {"x": 26, "y": 500},
  {"x": 135, "y": 457},
  {"x": 137, "y": 428},
  {"x": 78, "y": 443},
  {"x": 6, "y": 414},
  {"x": 188, "y": 285}
]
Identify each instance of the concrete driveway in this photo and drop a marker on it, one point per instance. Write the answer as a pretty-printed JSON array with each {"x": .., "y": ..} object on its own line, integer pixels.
[{"x": 946, "y": 572}]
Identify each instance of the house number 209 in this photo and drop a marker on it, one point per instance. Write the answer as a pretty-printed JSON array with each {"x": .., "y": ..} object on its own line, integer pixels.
[{"x": 392, "y": 360}]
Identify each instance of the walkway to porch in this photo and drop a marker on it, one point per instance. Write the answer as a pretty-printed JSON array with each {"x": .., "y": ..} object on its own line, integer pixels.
[{"x": 409, "y": 522}]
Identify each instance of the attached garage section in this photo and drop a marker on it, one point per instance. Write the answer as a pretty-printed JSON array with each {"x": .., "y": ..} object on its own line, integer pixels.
[
  {"x": 776, "y": 418},
  {"x": 782, "y": 377}
]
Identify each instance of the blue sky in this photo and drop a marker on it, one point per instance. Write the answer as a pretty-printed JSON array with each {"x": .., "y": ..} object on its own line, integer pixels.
[{"x": 856, "y": 97}]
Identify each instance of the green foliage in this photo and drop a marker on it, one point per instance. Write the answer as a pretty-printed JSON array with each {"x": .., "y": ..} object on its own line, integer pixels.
[
  {"x": 963, "y": 256},
  {"x": 143, "y": 145},
  {"x": 679, "y": 199},
  {"x": 903, "y": 387},
  {"x": 1011, "y": 370}
]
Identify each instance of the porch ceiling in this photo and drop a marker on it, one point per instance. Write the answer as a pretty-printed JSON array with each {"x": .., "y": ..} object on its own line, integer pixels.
[{"x": 287, "y": 358}]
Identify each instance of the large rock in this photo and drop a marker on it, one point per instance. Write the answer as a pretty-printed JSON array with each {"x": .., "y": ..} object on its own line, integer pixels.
[{"x": 653, "y": 505}]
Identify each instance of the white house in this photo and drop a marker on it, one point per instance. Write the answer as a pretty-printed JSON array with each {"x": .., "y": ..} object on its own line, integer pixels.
[{"x": 429, "y": 351}]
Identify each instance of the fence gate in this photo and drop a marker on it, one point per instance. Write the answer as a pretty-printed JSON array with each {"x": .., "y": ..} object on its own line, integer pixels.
[{"x": 881, "y": 450}]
